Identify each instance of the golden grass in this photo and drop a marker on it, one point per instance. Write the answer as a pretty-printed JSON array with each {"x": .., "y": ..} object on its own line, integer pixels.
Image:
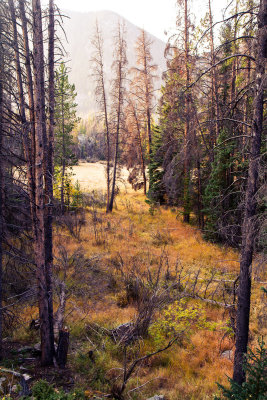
[{"x": 187, "y": 371}]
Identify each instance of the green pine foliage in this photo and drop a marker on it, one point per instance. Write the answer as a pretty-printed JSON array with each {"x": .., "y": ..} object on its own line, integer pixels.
[
  {"x": 255, "y": 387},
  {"x": 66, "y": 119},
  {"x": 222, "y": 196},
  {"x": 156, "y": 187}
]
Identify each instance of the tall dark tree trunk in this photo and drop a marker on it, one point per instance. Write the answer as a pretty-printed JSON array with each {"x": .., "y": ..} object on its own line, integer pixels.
[
  {"x": 32, "y": 154},
  {"x": 141, "y": 155},
  {"x": 187, "y": 117},
  {"x": 50, "y": 169},
  {"x": 63, "y": 170},
  {"x": 249, "y": 228},
  {"x": 120, "y": 63},
  {"x": 1, "y": 187},
  {"x": 22, "y": 110},
  {"x": 112, "y": 195},
  {"x": 47, "y": 348},
  {"x": 214, "y": 89}
]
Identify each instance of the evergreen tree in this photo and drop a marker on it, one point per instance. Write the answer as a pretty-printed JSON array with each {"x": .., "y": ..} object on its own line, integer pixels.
[
  {"x": 255, "y": 386},
  {"x": 65, "y": 116},
  {"x": 222, "y": 196},
  {"x": 156, "y": 189}
]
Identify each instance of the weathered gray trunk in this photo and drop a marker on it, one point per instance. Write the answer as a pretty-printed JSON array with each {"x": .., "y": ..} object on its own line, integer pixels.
[
  {"x": 187, "y": 110},
  {"x": 59, "y": 317},
  {"x": 139, "y": 139},
  {"x": 249, "y": 227},
  {"x": 1, "y": 185},
  {"x": 50, "y": 170},
  {"x": 47, "y": 348},
  {"x": 121, "y": 62}
]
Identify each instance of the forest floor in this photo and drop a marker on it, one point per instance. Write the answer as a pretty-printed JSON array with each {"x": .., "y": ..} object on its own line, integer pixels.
[{"x": 110, "y": 263}]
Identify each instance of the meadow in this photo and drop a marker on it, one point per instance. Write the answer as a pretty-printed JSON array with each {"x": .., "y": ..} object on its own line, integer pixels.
[{"x": 112, "y": 265}]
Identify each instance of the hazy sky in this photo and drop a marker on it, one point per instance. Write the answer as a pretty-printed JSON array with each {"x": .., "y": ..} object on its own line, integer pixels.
[{"x": 155, "y": 16}]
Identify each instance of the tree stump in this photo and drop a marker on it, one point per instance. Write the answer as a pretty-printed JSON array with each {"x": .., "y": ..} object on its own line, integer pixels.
[{"x": 62, "y": 349}]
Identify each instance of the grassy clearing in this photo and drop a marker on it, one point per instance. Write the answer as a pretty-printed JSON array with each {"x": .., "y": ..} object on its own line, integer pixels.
[
  {"x": 190, "y": 369},
  {"x": 112, "y": 247}
]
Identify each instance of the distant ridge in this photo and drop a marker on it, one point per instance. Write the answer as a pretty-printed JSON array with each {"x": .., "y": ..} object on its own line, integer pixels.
[{"x": 79, "y": 28}]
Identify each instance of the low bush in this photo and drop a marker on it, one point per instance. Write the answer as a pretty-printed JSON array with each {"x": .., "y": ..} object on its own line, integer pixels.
[{"x": 42, "y": 390}]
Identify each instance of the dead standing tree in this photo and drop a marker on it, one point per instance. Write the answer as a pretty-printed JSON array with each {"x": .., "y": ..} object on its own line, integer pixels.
[
  {"x": 144, "y": 76},
  {"x": 249, "y": 226},
  {"x": 135, "y": 144},
  {"x": 249, "y": 221},
  {"x": 118, "y": 94},
  {"x": 97, "y": 61},
  {"x": 47, "y": 347},
  {"x": 50, "y": 169},
  {"x": 1, "y": 178}
]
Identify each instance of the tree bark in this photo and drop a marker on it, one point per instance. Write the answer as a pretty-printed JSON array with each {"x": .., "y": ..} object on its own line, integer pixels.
[
  {"x": 100, "y": 92},
  {"x": 50, "y": 169},
  {"x": 139, "y": 139},
  {"x": 31, "y": 110},
  {"x": 62, "y": 349},
  {"x": 215, "y": 95},
  {"x": 249, "y": 228},
  {"x": 1, "y": 188},
  {"x": 22, "y": 109},
  {"x": 47, "y": 348},
  {"x": 187, "y": 117},
  {"x": 120, "y": 62}
]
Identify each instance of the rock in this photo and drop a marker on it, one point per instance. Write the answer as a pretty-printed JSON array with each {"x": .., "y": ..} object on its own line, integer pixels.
[
  {"x": 37, "y": 347},
  {"x": 123, "y": 333},
  {"x": 14, "y": 389},
  {"x": 35, "y": 324},
  {"x": 2, "y": 380},
  {"x": 28, "y": 359},
  {"x": 25, "y": 349},
  {"x": 227, "y": 354},
  {"x": 36, "y": 350},
  {"x": 26, "y": 377},
  {"x": 157, "y": 397}
]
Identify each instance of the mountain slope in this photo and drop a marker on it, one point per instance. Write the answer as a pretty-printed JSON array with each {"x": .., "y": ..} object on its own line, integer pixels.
[{"x": 79, "y": 29}]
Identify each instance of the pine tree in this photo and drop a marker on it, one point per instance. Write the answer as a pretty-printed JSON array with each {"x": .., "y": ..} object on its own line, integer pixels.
[
  {"x": 156, "y": 189},
  {"x": 255, "y": 386},
  {"x": 65, "y": 117},
  {"x": 222, "y": 194}
]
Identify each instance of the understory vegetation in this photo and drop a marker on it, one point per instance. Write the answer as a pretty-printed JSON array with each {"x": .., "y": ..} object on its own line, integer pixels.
[{"x": 133, "y": 284}]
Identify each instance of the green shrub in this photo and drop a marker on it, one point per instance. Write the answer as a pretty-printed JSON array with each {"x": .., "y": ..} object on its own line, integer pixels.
[
  {"x": 42, "y": 390},
  {"x": 179, "y": 318},
  {"x": 255, "y": 387}
]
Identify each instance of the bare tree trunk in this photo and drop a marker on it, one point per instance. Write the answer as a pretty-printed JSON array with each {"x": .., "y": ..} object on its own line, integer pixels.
[
  {"x": 112, "y": 196},
  {"x": 100, "y": 91},
  {"x": 140, "y": 147},
  {"x": 62, "y": 189},
  {"x": 199, "y": 196},
  {"x": 31, "y": 110},
  {"x": 50, "y": 169},
  {"x": 59, "y": 317},
  {"x": 187, "y": 110},
  {"x": 1, "y": 188},
  {"x": 47, "y": 348},
  {"x": 249, "y": 230},
  {"x": 215, "y": 95},
  {"x": 22, "y": 109},
  {"x": 120, "y": 63}
]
